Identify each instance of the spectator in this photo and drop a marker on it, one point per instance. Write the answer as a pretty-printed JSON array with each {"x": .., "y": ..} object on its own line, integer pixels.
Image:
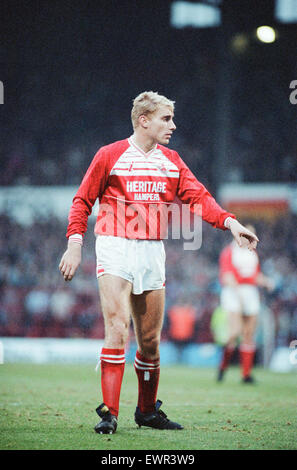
[{"x": 182, "y": 324}]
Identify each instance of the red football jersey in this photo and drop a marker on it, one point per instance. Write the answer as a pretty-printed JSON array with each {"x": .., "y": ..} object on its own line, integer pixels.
[
  {"x": 241, "y": 262},
  {"x": 135, "y": 191}
]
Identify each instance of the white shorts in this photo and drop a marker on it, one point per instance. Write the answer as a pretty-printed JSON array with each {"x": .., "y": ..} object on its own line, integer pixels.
[
  {"x": 244, "y": 299},
  {"x": 142, "y": 262}
]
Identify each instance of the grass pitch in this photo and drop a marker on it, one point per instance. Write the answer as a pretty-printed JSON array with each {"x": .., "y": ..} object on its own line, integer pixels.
[{"x": 53, "y": 407}]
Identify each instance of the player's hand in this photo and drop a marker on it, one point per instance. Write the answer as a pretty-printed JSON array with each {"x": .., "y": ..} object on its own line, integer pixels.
[
  {"x": 270, "y": 285},
  {"x": 267, "y": 282},
  {"x": 243, "y": 236},
  {"x": 70, "y": 261}
]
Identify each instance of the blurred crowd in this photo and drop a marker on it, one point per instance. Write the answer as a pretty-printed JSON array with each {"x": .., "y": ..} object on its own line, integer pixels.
[
  {"x": 54, "y": 127},
  {"x": 35, "y": 301}
]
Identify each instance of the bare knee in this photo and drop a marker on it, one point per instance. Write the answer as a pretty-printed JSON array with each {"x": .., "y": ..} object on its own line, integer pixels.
[
  {"x": 149, "y": 346},
  {"x": 248, "y": 338},
  {"x": 232, "y": 341}
]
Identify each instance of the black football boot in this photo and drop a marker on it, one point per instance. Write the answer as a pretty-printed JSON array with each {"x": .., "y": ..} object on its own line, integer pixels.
[
  {"x": 157, "y": 419},
  {"x": 108, "y": 423}
]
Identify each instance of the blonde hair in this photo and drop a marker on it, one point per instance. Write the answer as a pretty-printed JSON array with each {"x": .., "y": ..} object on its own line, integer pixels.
[{"x": 146, "y": 103}]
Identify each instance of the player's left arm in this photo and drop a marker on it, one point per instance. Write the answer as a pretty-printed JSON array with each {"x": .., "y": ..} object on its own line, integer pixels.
[
  {"x": 265, "y": 281},
  {"x": 243, "y": 236},
  {"x": 200, "y": 201}
]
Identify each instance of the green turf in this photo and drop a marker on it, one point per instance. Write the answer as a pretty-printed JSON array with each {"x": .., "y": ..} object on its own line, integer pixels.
[{"x": 52, "y": 407}]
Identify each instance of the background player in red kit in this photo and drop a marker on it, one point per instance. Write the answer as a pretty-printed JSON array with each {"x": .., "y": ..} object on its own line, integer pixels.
[
  {"x": 240, "y": 276},
  {"x": 130, "y": 177}
]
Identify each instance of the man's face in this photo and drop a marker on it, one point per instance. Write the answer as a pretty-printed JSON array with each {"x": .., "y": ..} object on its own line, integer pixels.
[{"x": 160, "y": 125}]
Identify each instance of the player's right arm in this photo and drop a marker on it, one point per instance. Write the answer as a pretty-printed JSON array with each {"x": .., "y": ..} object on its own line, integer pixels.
[
  {"x": 228, "y": 280},
  {"x": 227, "y": 275},
  {"x": 92, "y": 186},
  {"x": 70, "y": 260}
]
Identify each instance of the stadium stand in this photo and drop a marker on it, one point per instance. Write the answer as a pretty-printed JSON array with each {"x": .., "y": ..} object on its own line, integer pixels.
[{"x": 36, "y": 302}]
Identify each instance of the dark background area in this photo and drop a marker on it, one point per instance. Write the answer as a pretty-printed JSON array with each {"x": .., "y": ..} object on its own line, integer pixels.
[{"x": 71, "y": 70}]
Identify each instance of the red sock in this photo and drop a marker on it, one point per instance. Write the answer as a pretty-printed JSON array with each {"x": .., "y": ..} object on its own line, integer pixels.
[
  {"x": 227, "y": 354},
  {"x": 112, "y": 371},
  {"x": 148, "y": 373},
  {"x": 247, "y": 353}
]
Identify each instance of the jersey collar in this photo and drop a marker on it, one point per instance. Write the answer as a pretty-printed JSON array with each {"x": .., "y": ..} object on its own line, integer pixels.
[{"x": 146, "y": 154}]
